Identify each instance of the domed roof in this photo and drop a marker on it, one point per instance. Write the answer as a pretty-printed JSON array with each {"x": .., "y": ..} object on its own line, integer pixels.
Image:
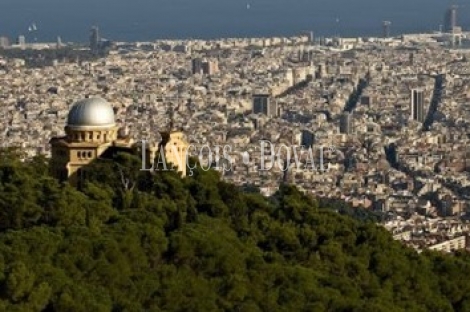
[{"x": 92, "y": 112}]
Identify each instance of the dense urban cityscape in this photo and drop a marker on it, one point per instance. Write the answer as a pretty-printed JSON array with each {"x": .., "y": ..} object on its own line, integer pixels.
[
  {"x": 390, "y": 112},
  {"x": 379, "y": 123}
]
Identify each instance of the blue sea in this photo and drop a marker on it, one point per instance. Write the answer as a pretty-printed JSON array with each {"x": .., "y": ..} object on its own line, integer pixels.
[{"x": 135, "y": 20}]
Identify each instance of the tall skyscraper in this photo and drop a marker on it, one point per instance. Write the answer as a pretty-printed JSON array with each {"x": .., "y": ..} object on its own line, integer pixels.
[
  {"x": 95, "y": 39},
  {"x": 210, "y": 67},
  {"x": 386, "y": 28},
  {"x": 204, "y": 66},
  {"x": 196, "y": 66},
  {"x": 417, "y": 105},
  {"x": 450, "y": 20},
  {"x": 263, "y": 104},
  {"x": 345, "y": 123}
]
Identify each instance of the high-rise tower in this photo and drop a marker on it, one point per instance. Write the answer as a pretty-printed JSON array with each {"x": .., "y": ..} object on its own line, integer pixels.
[
  {"x": 264, "y": 104},
  {"x": 450, "y": 20},
  {"x": 386, "y": 28},
  {"x": 345, "y": 123},
  {"x": 417, "y": 105},
  {"x": 94, "y": 39},
  {"x": 204, "y": 66}
]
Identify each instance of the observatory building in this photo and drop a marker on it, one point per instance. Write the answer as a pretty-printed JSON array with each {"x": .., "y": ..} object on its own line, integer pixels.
[{"x": 91, "y": 132}]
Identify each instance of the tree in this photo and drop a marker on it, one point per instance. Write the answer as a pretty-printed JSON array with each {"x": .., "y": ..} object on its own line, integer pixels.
[{"x": 200, "y": 244}]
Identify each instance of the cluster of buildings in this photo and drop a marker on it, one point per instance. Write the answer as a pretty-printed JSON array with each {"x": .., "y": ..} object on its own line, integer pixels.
[
  {"x": 381, "y": 123},
  {"x": 433, "y": 234}
]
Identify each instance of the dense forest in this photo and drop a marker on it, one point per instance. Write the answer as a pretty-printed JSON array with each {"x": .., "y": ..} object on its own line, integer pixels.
[{"x": 130, "y": 240}]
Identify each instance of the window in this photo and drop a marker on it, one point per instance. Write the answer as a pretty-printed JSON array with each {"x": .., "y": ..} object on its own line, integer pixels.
[{"x": 84, "y": 154}]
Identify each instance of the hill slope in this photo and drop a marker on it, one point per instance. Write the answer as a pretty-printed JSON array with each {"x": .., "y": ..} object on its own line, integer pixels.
[{"x": 135, "y": 241}]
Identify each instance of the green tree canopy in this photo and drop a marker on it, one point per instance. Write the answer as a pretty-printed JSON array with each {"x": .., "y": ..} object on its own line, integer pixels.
[{"x": 131, "y": 240}]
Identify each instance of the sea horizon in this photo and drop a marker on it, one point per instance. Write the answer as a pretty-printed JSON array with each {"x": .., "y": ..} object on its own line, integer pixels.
[{"x": 148, "y": 20}]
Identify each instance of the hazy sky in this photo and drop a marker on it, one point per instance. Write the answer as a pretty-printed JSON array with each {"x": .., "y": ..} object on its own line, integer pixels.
[{"x": 151, "y": 19}]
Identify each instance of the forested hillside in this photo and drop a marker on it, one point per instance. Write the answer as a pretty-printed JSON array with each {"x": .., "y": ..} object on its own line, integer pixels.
[{"x": 135, "y": 241}]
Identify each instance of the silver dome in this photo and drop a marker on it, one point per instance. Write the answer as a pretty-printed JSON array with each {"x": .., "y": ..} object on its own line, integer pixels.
[{"x": 92, "y": 112}]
